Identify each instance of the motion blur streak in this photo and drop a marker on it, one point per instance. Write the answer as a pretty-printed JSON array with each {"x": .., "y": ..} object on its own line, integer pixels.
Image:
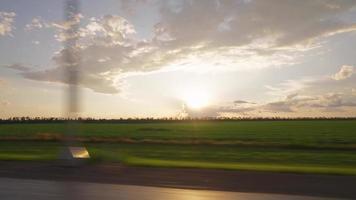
[
  {"x": 72, "y": 57},
  {"x": 71, "y": 61}
]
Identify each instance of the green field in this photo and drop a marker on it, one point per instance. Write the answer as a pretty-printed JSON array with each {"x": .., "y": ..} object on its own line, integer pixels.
[{"x": 285, "y": 146}]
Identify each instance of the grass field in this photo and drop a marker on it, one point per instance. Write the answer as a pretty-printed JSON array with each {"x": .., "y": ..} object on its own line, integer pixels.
[{"x": 285, "y": 146}]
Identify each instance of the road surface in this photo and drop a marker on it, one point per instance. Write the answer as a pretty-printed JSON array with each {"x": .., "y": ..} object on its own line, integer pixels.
[
  {"x": 19, "y": 189},
  {"x": 48, "y": 178}
]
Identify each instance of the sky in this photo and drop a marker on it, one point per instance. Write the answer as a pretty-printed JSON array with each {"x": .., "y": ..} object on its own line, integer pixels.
[{"x": 181, "y": 58}]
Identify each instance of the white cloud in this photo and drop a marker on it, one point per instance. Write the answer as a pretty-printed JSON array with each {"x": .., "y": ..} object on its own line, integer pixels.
[
  {"x": 113, "y": 30},
  {"x": 345, "y": 72},
  {"x": 37, "y": 23},
  {"x": 61, "y": 27},
  {"x": 6, "y": 23}
]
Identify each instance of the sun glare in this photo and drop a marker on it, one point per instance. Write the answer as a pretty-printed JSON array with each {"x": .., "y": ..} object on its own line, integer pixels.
[{"x": 196, "y": 99}]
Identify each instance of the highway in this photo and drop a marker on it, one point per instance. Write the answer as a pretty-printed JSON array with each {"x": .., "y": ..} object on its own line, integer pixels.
[
  {"x": 19, "y": 189},
  {"x": 51, "y": 180}
]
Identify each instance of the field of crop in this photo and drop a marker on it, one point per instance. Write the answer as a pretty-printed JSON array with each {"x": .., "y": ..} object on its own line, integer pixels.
[{"x": 286, "y": 146}]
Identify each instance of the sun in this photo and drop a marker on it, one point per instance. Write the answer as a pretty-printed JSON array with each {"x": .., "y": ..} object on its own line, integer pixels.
[{"x": 196, "y": 99}]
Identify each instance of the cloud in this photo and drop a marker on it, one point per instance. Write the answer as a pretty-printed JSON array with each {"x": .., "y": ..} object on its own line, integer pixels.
[
  {"x": 99, "y": 68},
  {"x": 292, "y": 105},
  {"x": 280, "y": 23},
  {"x": 248, "y": 34},
  {"x": 113, "y": 29},
  {"x": 6, "y": 23},
  {"x": 61, "y": 27},
  {"x": 18, "y": 67},
  {"x": 278, "y": 106},
  {"x": 243, "y": 102},
  {"x": 324, "y": 101},
  {"x": 319, "y": 92},
  {"x": 37, "y": 23},
  {"x": 102, "y": 83},
  {"x": 217, "y": 111},
  {"x": 345, "y": 72},
  {"x": 315, "y": 84},
  {"x": 308, "y": 96},
  {"x": 290, "y": 87},
  {"x": 199, "y": 36},
  {"x": 65, "y": 29},
  {"x": 107, "y": 49}
]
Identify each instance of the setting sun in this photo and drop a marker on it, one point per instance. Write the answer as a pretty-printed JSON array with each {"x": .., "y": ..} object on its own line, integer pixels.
[{"x": 196, "y": 99}]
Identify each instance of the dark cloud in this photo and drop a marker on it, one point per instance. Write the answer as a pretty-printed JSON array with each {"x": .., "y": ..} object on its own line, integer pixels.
[
  {"x": 243, "y": 102},
  {"x": 286, "y": 22},
  {"x": 18, "y": 67}
]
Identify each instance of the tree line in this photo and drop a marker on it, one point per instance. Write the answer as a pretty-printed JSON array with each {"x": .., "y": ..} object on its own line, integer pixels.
[{"x": 162, "y": 119}]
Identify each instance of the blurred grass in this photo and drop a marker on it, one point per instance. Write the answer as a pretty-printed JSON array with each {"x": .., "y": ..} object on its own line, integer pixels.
[
  {"x": 29, "y": 151},
  {"x": 314, "y": 169},
  {"x": 197, "y": 156},
  {"x": 315, "y": 133},
  {"x": 320, "y": 146}
]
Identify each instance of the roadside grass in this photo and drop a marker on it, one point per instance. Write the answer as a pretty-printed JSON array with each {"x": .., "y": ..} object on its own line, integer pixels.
[
  {"x": 230, "y": 158},
  {"x": 28, "y": 151},
  {"x": 244, "y": 166},
  {"x": 340, "y": 162}
]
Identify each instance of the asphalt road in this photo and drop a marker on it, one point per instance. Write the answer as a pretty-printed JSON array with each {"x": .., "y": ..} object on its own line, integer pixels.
[
  {"x": 51, "y": 180},
  {"x": 19, "y": 189}
]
